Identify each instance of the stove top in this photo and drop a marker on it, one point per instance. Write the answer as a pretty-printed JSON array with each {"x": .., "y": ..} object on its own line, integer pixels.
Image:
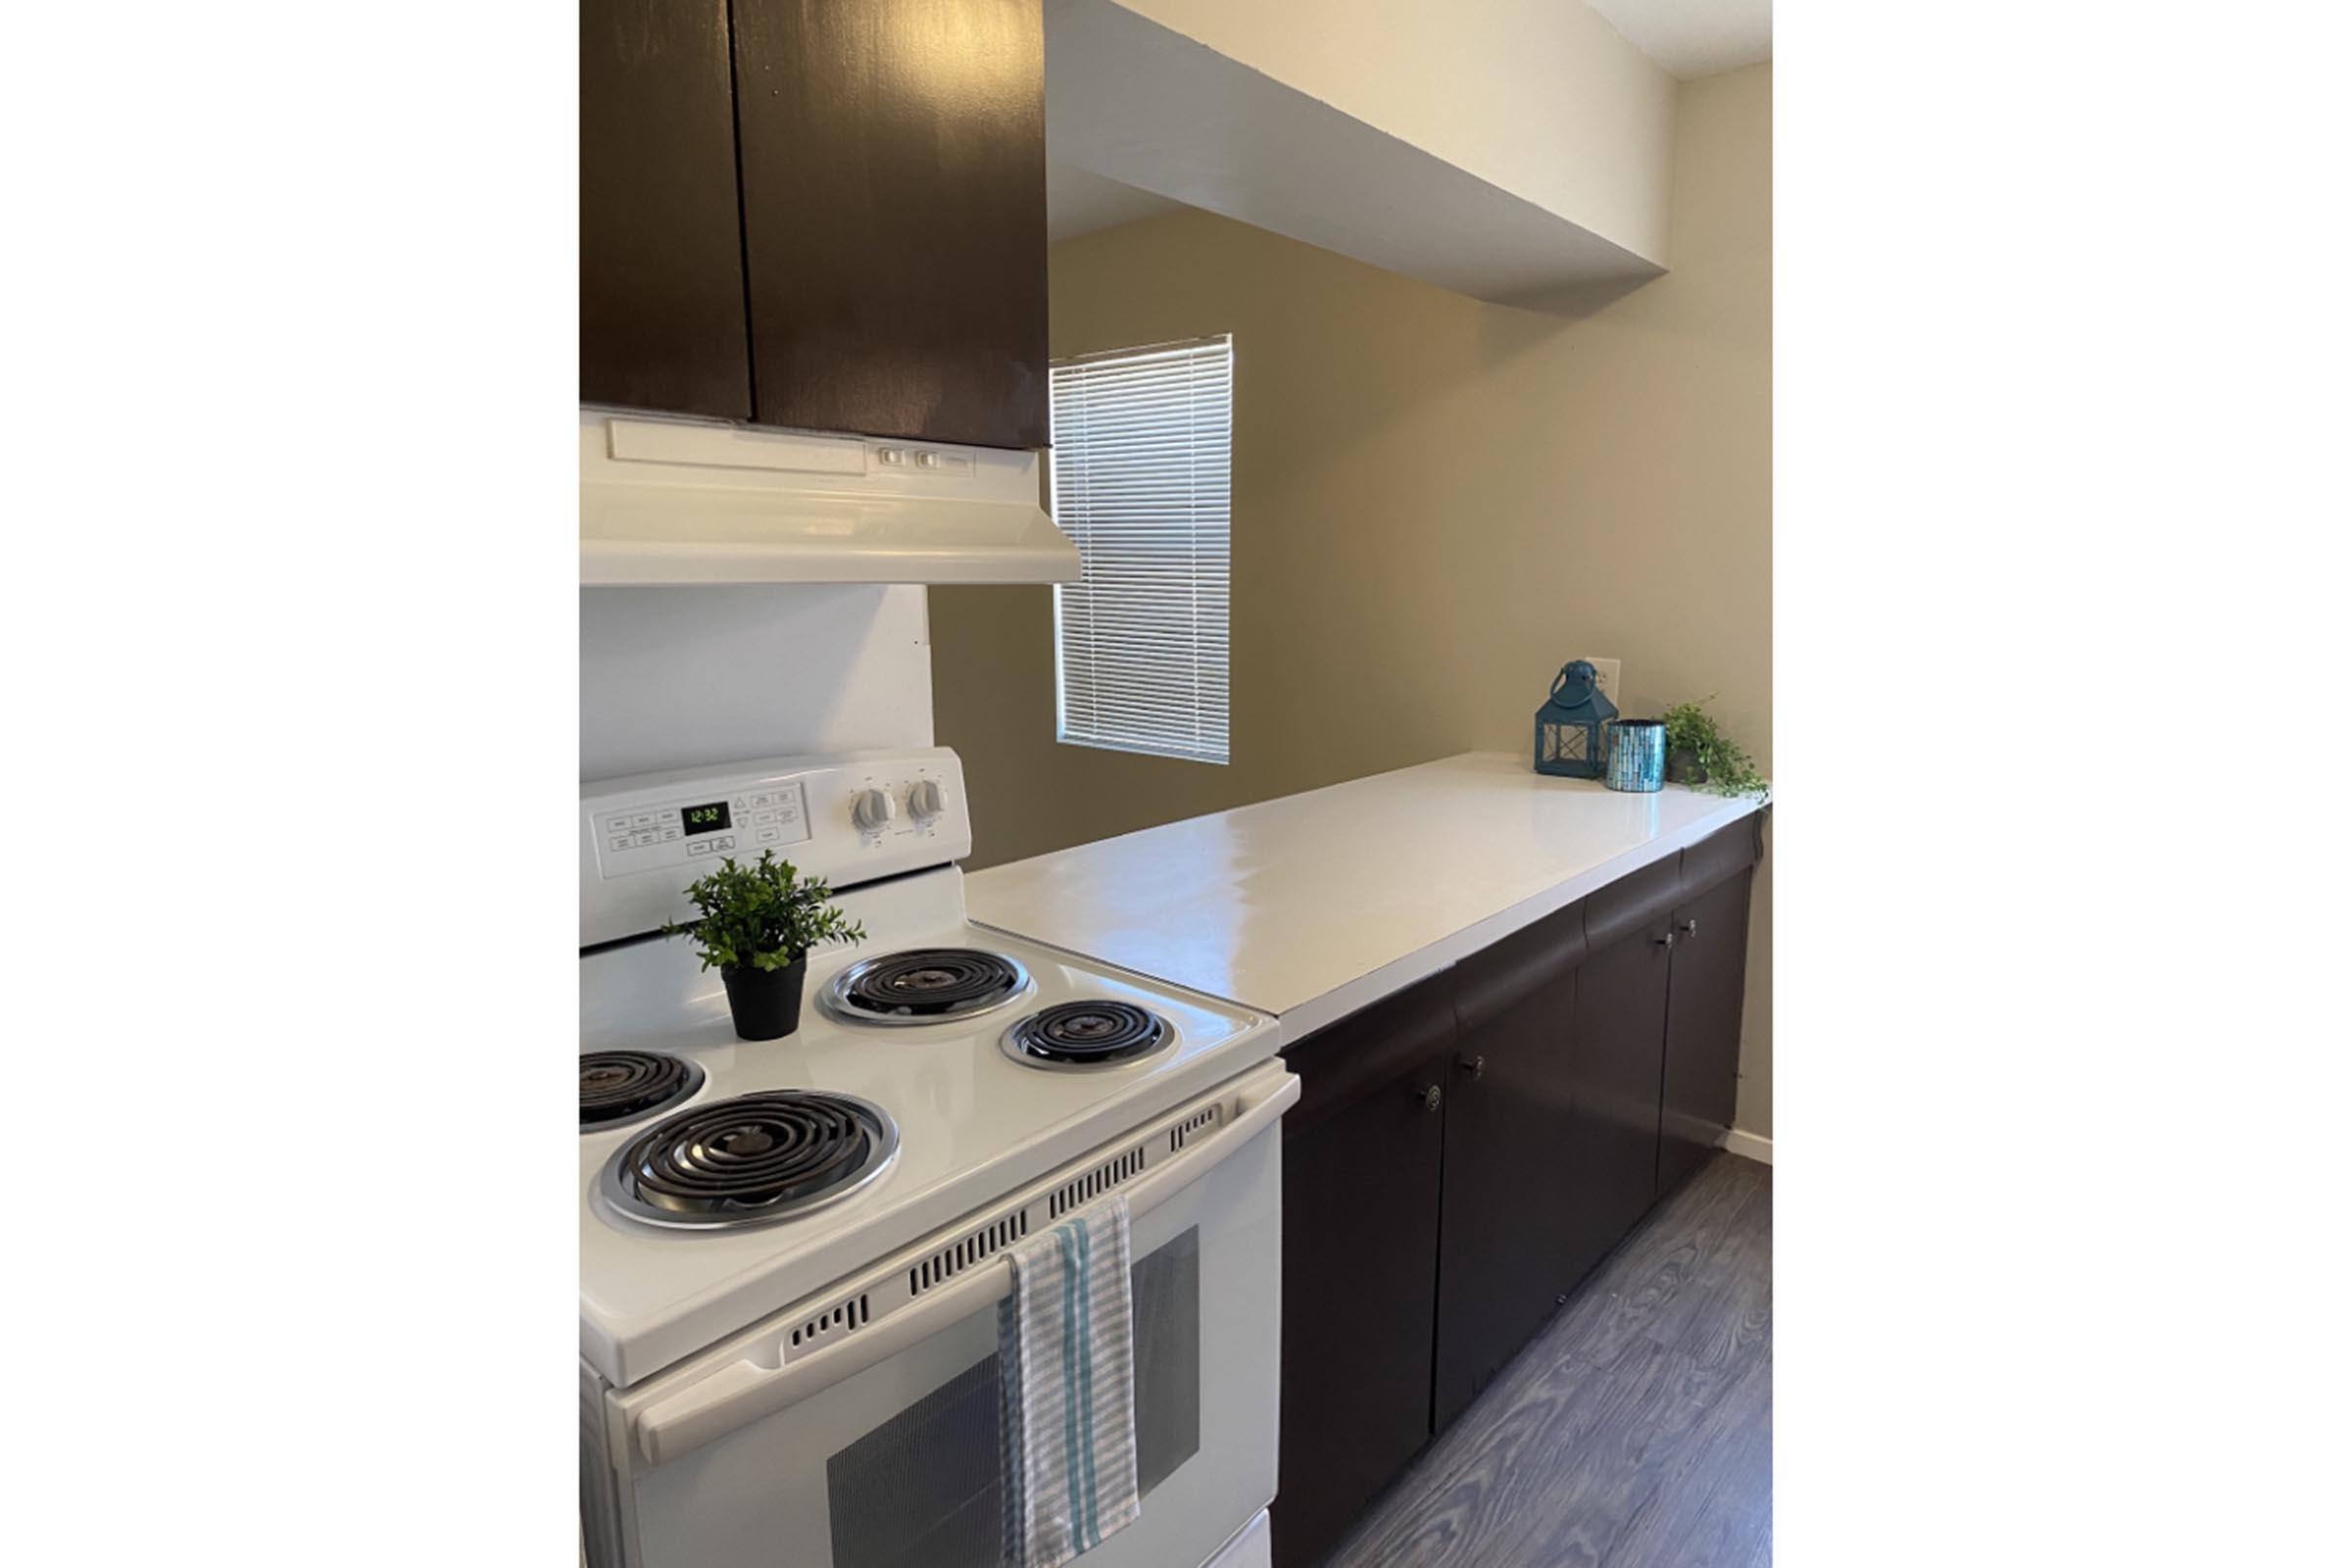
[
  {"x": 1081, "y": 1036},
  {"x": 924, "y": 985},
  {"x": 619, "y": 1085},
  {"x": 678, "y": 1259},
  {"x": 751, "y": 1160}
]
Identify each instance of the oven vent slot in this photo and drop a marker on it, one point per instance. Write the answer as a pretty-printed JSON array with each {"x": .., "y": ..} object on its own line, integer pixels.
[
  {"x": 1182, "y": 1133},
  {"x": 1101, "y": 1179},
  {"x": 953, "y": 1260},
  {"x": 844, "y": 1318}
]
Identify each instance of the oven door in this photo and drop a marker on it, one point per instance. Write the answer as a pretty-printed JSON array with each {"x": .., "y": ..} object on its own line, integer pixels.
[{"x": 893, "y": 1456}]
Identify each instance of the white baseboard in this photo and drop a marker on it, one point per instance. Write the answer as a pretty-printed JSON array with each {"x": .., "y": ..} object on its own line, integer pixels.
[{"x": 1748, "y": 1145}]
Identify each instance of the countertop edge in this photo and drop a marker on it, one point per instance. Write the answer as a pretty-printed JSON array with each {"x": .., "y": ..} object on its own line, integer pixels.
[{"x": 1319, "y": 1012}]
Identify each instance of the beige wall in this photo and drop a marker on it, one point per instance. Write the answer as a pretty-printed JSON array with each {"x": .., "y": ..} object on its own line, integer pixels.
[{"x": 1436, "y": 503}]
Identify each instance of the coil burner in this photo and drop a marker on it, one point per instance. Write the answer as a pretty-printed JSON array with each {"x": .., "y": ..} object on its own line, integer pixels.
[
  {"x": 752, "y": 1160},
  {"x": 1073, "y": 1036},
  {"x": 924, "y": 985},
  {"x": 617, "y": 1085}
]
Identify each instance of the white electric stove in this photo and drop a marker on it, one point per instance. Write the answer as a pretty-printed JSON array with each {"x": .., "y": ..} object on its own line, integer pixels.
[{"x": 789, "y": 1250}]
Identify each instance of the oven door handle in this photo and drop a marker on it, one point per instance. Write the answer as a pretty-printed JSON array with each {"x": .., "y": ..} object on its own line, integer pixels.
[{"x": 743, "y": 1392}]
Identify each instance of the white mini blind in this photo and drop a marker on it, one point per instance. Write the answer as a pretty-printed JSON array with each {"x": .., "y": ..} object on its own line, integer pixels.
[{"x": 1143, "y": 479}]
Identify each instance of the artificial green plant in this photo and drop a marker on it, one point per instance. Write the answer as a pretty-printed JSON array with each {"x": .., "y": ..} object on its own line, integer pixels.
[
  {"x": 762, "y": 916},
  {"x": 1727, "y": 767}
]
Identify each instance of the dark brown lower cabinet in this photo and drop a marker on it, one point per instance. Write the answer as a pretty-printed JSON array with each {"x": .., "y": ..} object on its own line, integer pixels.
[
  {"x": 1702, "y": 1080},
  {"x": 1620, "y": 1053},
  {"x": 1504, "y": 1259},
  {"x": 1361, "y": 1155},
  {"x": 1463, "y": 1153}
]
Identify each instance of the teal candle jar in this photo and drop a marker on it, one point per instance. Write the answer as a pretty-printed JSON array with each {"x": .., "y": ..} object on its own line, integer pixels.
[{"x": 1637, "y": 755}]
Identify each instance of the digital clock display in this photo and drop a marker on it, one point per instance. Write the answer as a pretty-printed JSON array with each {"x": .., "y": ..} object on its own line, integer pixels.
[{"x": 705, "y": 818}]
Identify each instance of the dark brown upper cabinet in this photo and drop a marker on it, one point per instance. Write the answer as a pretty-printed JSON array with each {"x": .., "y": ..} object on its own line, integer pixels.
[
  {"x": 894, "y": 181},
  {"x": 830, "y": 217},
  {"x": 662, "y": 319}
]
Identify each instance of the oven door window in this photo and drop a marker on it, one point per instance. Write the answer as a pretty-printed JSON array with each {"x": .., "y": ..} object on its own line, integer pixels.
[
  {"x": 1167, "y": 1359},
  {"x": 922, "y": 1491},
  {"x": 924, "y": 1488}
]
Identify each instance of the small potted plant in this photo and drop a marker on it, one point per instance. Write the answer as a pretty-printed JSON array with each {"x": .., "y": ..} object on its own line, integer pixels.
[
  {"x": 757, "y": 926},
  {"x": 1698, "y": 752}
]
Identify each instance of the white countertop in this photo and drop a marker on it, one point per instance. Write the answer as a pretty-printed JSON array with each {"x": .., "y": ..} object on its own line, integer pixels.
[{"x": 1311, "y": 905}]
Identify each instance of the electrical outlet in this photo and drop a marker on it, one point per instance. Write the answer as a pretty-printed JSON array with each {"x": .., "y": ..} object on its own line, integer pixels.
[{"x": 1609, "y": 672}]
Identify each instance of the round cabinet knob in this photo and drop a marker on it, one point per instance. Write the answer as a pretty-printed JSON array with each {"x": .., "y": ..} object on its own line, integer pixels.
[
  {"x": 873, "y": 810},
  {"x": 1475, "y": 1067},
  {"x": 1431, "y": 1097},
  {"x": 926, "y": 800},
  {"x": 1691, "y": 926}
]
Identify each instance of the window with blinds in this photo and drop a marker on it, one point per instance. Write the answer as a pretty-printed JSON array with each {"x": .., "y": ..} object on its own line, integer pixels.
[{"x": 1142, "y": 449}]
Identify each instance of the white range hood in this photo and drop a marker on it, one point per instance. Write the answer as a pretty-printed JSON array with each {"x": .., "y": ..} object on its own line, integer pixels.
[{"x": 694, "y": 501}]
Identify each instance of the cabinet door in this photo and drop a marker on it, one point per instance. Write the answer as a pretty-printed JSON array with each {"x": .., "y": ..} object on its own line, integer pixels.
[
  {"x": 1503, "y": 1258},
  {"x": 1360, "y": 1168},
  {"x": 662, "y": 322},
  {"x": 1619, "y": 1055},
  {"x": 1701, "y": 1082},
  {"x": 893, "y": 198}
]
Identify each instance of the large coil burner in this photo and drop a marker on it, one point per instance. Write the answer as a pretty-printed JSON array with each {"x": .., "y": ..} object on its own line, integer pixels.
[{"x": 752, "y": 1160}]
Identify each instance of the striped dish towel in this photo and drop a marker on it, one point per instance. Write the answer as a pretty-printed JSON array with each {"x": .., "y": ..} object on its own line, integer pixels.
[{"x": 1066, "y": 1345}]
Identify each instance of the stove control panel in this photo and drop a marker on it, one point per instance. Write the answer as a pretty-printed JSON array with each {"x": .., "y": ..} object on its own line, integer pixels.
[
  {"x": 672, "y": 833},
  {"x": 848, "y": 817}
]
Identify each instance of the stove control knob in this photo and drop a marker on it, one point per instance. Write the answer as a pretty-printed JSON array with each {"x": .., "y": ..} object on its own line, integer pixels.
[
  {"x": 873, "y": 810},
  {"x": 926, "y": 800}
]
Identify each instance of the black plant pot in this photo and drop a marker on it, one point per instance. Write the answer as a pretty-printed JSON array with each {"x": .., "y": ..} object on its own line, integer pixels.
[
  {"x": 766, "y": 1002},
  {"x": 1682, "y": 767}
]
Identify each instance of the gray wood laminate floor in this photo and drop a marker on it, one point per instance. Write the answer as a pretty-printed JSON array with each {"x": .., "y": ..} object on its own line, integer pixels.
[{"x": 1635, "y": 1431}]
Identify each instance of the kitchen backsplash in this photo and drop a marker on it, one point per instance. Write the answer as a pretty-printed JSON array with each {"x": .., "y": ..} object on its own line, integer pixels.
[{"x": 673, "y": 677}]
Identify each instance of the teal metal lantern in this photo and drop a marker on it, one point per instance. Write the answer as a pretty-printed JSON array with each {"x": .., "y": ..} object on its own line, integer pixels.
[{"x": 1572, "y": 737}]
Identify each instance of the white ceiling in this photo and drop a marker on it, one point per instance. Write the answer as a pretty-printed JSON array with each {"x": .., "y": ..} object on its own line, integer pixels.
[
  {"x": 1079, "y": 203},
  {"x": 1692, "y": 38}
]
